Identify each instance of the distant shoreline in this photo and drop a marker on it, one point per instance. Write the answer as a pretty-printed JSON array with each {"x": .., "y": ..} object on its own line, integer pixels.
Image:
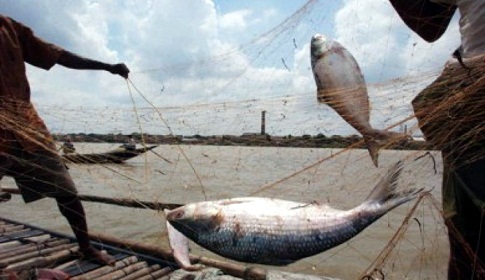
[{"x": 303, "y": 141}]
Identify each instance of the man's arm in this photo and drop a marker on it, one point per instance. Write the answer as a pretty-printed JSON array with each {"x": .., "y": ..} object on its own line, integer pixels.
[
  {"x": 429, "y": 20},
  {"x": 74, "y": 61}
]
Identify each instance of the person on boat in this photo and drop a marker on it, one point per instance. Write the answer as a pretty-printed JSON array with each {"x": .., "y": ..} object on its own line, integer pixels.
[
  {"x": 130, "y": 145},
  {"x": 27, "y": 150},
  {"x": 68, "y": 146},
  {"x": 450, "y": 115}
]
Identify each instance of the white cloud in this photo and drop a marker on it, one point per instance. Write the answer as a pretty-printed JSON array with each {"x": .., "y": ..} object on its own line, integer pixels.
[
  {"x": 93, "y": 33},
  {"x": 235, "y": 21},
  {"x": 197, "y": 64},
  {"x": 384, "y": 47}
]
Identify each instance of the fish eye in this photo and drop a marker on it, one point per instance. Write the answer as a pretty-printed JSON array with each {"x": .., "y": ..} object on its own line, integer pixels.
[
  {"x": 179, "y": 214},
  {"x": 175, "y": 215}
]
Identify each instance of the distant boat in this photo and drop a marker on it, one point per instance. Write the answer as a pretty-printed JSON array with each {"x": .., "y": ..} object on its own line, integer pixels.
[{"x": 118, "y": 155}]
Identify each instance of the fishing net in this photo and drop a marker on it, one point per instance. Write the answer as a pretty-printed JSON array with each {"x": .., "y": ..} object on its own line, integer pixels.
[{"x": 302, "y": 151}]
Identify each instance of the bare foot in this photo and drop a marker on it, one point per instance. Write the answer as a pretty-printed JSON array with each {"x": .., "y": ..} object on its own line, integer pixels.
[{"x": 93, "y": 255}]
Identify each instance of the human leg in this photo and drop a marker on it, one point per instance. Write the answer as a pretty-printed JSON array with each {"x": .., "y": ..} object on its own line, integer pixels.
[
  {"x": 463, "y": 199},
  {"x": 43, "y": 174},
  {"x": 73, "y": 210}
]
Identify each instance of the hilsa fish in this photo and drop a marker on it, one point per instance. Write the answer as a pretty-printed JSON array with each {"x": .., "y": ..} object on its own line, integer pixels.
[
  {"x": 273, "y": 231},
  {"x": 341, "y": 85}
]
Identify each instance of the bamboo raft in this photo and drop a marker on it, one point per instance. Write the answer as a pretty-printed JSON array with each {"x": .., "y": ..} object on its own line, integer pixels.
[{"x": 24, "y": 247}]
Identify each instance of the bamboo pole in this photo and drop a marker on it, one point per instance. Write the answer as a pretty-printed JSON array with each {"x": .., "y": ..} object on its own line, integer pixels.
[
  {"x": 38, "y": 253},
  {"x": 40, "y": 239},
  {"x": 95, "y": 274},
  {"x": 45, "y": 261},
  {"x": 134, "y": 203},
  {"x": 8, "y": 228},
  {"x": 7, "y": 246},
  {"x": 64, "y": 265},
  {"x": 142, "y": 272},
  {"x": 15, "y": 232},
  {"x": 233, "y": 269},
  {"x": 157, "y": 274},
  {"x": 23, "y": 249},
  {"x": 124, "y": 271}
]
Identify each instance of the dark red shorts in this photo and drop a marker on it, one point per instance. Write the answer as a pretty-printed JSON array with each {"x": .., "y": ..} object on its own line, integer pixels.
[{"x": 38, "y": 174}]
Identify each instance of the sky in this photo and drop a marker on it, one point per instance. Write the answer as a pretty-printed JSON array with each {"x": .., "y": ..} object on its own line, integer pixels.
[{"x": 211, "y": 66}]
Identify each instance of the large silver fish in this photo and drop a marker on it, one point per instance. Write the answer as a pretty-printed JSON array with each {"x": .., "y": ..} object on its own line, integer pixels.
[
  {"x": 341, "y": 85},
  {"x": 273, "y": 231}
]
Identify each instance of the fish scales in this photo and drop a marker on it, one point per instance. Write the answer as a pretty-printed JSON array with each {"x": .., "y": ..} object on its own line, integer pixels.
[
  {"x": 279, "y": 232},
  {"x": 256, "y": 238}
]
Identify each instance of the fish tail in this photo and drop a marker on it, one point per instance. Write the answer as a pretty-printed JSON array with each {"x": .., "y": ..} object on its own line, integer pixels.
[
  {"x": 373, "y": 148},
  {"x": 385, "y": 195},
  {"x": 379, "y": 139}
]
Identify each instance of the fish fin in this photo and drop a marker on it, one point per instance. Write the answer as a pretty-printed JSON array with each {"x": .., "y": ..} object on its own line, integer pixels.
[
  {"x": 180, "y": 248},
  {"x": 322, "y": 97},
  {"x": 379, "y": 139},
  {"x": 384, "y": 193},
  {"x": 387, "y": 185},
  {"x": 374, "y": 148}
]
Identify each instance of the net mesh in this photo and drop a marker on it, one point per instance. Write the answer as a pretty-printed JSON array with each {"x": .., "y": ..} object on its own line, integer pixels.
[{"x": 225, "y": 93}]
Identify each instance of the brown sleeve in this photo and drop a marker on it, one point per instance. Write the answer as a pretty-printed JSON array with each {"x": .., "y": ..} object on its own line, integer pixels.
[{"x": 36, "y": 51}]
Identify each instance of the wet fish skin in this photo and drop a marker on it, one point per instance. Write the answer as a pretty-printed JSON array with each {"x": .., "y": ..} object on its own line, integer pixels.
[
  {"x": 341, "y": 85},
  {"x": 279, "y": 232}
]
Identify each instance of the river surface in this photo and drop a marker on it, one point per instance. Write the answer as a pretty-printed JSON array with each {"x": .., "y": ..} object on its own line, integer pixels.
[{"x": 343, "y": 179}]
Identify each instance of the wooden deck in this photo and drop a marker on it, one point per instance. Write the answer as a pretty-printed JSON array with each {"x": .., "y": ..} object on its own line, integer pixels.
[{"x": 23, "y": 247}]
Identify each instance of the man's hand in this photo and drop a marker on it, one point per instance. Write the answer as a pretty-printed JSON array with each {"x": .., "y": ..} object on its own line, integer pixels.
[
  {"x": 74, "y": 61},
  {"x": 119, "y": 69}
]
